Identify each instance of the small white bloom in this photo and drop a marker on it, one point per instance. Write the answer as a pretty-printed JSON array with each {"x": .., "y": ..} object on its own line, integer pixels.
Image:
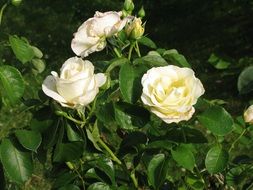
[
  {"x": 170, "y": 92},
  {"x": 91, "y": 35},
  {"x": 248, "y": 115},
  {"x": 77, "y": 84}
]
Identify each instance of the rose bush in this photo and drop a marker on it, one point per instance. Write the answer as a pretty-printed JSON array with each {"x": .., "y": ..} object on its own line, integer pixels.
[
  {"x": 170, "y": 92},
  {"x": 91, "y": 35},
  {"x": 77, "y": 84},
  {"x": 129, "y": 134}
]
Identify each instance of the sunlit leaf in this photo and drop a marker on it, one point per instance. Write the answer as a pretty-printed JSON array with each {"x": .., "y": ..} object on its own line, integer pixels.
[
  {"x": 184, "y": 157},
  {"x": 217, "y": 120},
  {"x": 173, "y": 57},
  {"x": 22, "y": 50},
  {"x": 130, "y": 82},
  {"x": 147, "y": 42},
  {"x": 151, "y": 61},
  {"x": 12, "y": 83},
  {"x": 216, "y": 159},
  {"x": 17, "y": 164}
]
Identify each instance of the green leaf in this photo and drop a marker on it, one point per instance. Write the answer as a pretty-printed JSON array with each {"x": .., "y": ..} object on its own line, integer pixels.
[
  {"x": 99, "y": 186},
  {"x": 64, "y": 179},
  {"x": 216, "y": 159},
  {"x": 239, "y": 176},
  {"x": 217, "y": 62},
  {"x": 184, "y": 157},
  {"x": 22, "y": 50},
  {"x": 37, "y": 52},
  {"x": 94, "y": 136},
  {"x": 68, "y": 151},
  {"x": 184, "y": 135},
  {"x": 173, "y": 57},
  {"x": 217, "y": 120},
  {"x": 147, "y": 42},
  {"x": 17, "y": 164},
  {"x": 130, "y": 82},
  {"x": 38, "y": 65},
  {"x": 132, "y": 140},
  {"x": 194, "y": 182},
  {"x": 151, "y": 61},
  {"x": 105, "y": 113},
  {"x": 130, "y": 117},
  {"x": 31, "y": 140},
  {"x": 105, "y": 165},
  {"x": 42, "y": 119},
  {"x": 72, "y": 134},
  {"x": 12, "y": 83},
  {"x": 69, "y": 187},
  {"x": 160, "y": 144},
  {"x": 157, "y": 170},
  {"x": 245, "y": 81}
]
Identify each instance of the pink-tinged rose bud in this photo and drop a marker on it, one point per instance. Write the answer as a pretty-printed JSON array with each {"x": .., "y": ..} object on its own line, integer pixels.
[{"x": 91, "y": 35}]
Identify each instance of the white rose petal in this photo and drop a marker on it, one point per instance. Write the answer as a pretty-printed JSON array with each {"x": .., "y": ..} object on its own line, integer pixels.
[
  {"x": 77, "y": 84},
  {"x": 91, "y": 35},
  {"x": 170, "y": 92},
  {"x": 248, "y": 115}
]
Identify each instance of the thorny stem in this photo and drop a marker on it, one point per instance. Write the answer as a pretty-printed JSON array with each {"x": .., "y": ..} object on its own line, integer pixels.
[
  {"x": 236, "y": 140},
  {"x": 2, "y": 11},
  {"x": 114, "y": 158}
]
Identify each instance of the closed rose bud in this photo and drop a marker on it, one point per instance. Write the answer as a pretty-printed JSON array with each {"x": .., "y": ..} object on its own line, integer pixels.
[
  {"x": 129, "y": 5},
  {"x": 248, "y": 115},
  {"x": 141, "y": 12},
  {"x": 135, "y": 30}
]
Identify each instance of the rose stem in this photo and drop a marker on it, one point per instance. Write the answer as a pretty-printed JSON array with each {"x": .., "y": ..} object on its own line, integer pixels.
[
  {"x": 109, "y": 151},
  {"x": 60, "y": 113},
  {"x": 233, "y": 144},
  {"x": 130, "y": 51}
]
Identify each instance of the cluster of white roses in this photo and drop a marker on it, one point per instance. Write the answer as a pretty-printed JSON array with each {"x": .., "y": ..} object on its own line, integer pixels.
[{"x": 169, "y": 92}]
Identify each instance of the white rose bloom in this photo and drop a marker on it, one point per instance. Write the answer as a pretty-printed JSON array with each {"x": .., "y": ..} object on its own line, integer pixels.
[
  {"x": 91, "y": 35},
  {"x": 170, "y": 92},
  {"x": 248, "y": 115},
  {"x": 77, "y": 84}
]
